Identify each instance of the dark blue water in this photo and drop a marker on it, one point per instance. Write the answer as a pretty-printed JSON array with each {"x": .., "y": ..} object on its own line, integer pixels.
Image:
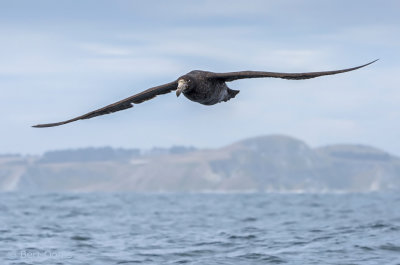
[{"x": 104, "y": 228}]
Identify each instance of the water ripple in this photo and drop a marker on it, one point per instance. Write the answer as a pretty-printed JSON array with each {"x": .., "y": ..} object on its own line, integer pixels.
[{"x": 127, "y": 228}]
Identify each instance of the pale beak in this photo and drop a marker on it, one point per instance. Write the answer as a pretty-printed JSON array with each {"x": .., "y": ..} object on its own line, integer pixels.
[{"x": 182, "y": 85}]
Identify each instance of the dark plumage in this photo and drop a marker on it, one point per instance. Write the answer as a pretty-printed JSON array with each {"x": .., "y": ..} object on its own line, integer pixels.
[{"x": 206, "y": 88}]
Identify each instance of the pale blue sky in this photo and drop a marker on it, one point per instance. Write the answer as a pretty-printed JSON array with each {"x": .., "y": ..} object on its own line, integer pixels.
[{"x": 60, "y": 59}]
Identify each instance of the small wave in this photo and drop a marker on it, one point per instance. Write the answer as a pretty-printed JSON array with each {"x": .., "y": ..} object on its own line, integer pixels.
[
  {"x": 242, "y": 236},
  {"x": 193, "y": 253},
  {"x": 316, "y": 230},
  {"x": 321, "y": 238},
  {"x": 129, "y": 262},
  {"x": 250, "y": 229},
  {"x": 85, "y": 245},
  {"x": 249, "y": 219},
  {"x": 80, "y": 238},
  {"x": 380, "y": 226},
  {"x": 207, "y": 243},
  {"x": 289, "y": 222},
  {"x": 366, "y": 248},
  {"x": 8, "y": 239},
  {"x": 262, "y": 257},
  {"x": 183, "y": 261},
  {"x": 299, "y": 243},
  {"x": 390, "y": 247}
]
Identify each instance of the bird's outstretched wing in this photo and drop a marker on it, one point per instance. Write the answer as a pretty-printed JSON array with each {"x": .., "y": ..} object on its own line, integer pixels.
[
  {"x": 120, "y": 105},
  {"x": 231, "y": 76}
]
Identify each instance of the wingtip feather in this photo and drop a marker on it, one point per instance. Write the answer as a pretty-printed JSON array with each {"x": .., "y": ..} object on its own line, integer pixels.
[
  {"x": 50, "y": 124},
  {"x": 43, "y": 125},
  {"x": 373, "y": 61}
]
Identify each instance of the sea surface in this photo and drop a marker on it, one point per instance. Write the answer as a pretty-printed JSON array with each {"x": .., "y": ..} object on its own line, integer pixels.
[{"x": 204, "y": 228}]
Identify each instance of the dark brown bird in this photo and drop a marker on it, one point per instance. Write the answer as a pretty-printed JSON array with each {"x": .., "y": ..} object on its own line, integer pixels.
[{"x": 206, "y": 88}]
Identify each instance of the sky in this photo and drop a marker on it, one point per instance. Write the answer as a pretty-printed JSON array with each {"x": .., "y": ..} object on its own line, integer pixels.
[{"x": 61, "y": 59}]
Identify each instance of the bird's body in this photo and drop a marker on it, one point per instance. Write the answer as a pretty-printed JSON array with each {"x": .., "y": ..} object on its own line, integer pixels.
[
  {"x": 207, "y": 88},
  {"x": 208, "y": 91}
]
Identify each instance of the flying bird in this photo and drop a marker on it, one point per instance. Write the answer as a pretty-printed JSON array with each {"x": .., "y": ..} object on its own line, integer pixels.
[{"x": 204, "y": 87}]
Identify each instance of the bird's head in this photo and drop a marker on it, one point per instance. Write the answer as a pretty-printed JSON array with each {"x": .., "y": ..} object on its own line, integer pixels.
[{"x": 185, "y": 83}]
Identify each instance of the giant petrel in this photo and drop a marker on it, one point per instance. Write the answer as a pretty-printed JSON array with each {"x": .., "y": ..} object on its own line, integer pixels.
[{"x": 204, "y": 87}]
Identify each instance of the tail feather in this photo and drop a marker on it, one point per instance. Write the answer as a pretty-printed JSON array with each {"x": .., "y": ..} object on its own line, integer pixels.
[{"x": 231, "y": 94}]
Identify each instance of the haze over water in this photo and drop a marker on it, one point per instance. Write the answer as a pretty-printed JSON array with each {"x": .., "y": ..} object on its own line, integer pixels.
[{"x": 175, "y": 228}]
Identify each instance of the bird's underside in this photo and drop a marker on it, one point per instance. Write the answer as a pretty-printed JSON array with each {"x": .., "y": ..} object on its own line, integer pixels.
[{"x": 199, "y": 84}]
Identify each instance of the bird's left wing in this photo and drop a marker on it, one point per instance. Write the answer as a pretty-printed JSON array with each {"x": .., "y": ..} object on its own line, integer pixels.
[
  {"x": 120, "y": 105},
  {"x": 231, "y": 76}
]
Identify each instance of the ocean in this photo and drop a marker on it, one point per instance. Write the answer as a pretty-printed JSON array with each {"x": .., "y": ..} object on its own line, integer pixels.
[{"x": 199, "y": 228}]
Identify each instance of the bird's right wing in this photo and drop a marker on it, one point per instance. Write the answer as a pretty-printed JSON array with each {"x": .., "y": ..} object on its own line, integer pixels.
[
  {"x": 231, "y": 76},
  {"x": 120, "y": 105}
]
